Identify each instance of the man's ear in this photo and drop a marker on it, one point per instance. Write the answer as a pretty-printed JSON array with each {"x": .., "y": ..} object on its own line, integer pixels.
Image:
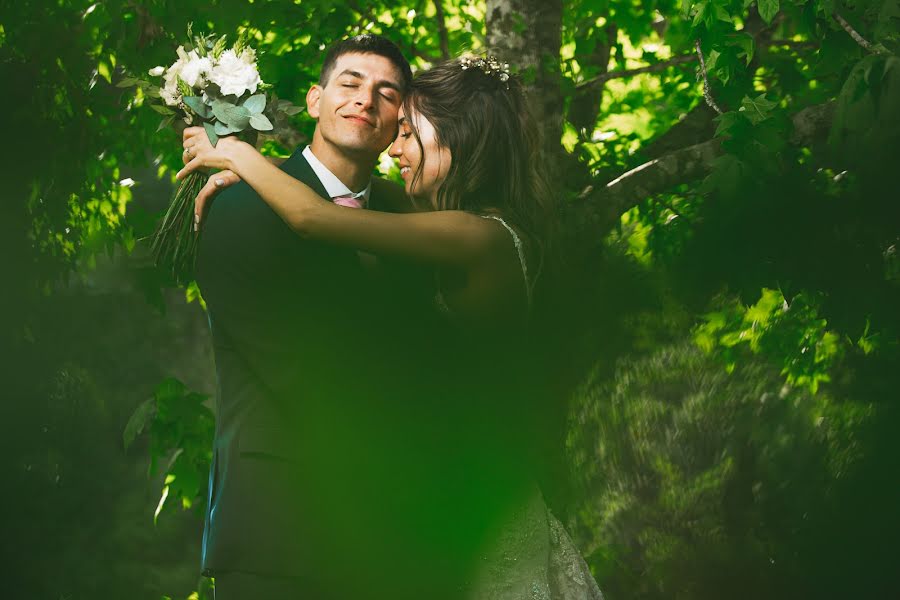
[{"x": 312, "y": 101}]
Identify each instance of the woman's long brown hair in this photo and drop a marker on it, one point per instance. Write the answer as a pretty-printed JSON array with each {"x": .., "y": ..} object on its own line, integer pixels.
[{"x": 496, "y": 162}]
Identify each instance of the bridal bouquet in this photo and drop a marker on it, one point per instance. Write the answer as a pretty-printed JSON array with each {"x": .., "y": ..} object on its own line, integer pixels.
[{"x": 219, "y": 88}]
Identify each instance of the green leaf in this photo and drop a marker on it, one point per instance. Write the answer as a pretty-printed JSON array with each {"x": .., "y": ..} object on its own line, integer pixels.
[
  {"x": 138, "y": 421},
  {"x": 260, "y": 122},
  {"x": 293, "y": 110},
  {"x": 757, "y": 109},
  {"x": 700, "y": 14},
  {"x": 726, "y": 176},
  {"x": 231, "y": 115},
  {"x": 722, "y": 14},
  {"x": 211, "y": 133},
  {"x": 256, "y": 103},
  {"x": 767, "y": 9},
  {"x": 745, "y": 42},
  {"x": 163, "y": 110},
  {"x": 196, "y": 104},
  {"x": 127, "y": 82},
  {"x": 166, "y": 123},
  {"x": 223, "y": 129},
  {"x": 726, "y": 122}
]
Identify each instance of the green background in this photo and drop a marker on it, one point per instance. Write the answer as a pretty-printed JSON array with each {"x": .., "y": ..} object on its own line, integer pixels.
[{"x": 725, "y": 333}]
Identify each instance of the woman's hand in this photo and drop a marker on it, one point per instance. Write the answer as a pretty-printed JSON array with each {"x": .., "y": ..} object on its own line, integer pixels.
[
  {"x": 199, "y": 153},
  {"x": 216, "y": 183}
]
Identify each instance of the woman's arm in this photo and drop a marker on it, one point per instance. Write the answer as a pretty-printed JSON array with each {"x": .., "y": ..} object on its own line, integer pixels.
[{"x": 446, "y": 238}]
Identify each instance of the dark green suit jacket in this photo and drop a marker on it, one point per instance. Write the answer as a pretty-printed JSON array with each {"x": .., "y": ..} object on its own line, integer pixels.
[
  {"x": 356, "y": 443},
  {"x": 299, "y": 340}
]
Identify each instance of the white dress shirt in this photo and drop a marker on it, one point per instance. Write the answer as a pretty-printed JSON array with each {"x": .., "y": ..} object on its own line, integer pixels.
[{"x": 334, "y": 186}]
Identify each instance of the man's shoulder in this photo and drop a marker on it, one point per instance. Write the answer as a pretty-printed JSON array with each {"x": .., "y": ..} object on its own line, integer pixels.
[{"x": 389, "y": 196}]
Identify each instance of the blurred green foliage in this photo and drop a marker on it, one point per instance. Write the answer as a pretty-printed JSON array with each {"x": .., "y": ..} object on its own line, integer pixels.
[{"x": 732, "y": 344}]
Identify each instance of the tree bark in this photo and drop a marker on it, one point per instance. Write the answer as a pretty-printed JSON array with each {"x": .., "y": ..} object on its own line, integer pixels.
[
  {"x": 598, "y": 208},
  {"x": 528, "y": 35}
]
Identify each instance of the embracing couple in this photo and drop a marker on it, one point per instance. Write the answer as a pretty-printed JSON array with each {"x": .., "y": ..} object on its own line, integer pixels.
[{"x": 378, "y": 426}]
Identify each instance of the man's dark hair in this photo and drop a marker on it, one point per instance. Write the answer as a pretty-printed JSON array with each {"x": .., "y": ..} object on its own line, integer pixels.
[{"x": 366, "y": 43}]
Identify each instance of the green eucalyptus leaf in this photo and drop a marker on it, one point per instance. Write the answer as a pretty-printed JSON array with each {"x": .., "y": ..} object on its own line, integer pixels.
[
  {"x": 231, "y": 115},
  {"x": 211, "y": 133},
  {"x": 196, "y": 104},
  {"x": 256, "y": 103},
  {"x": 260, "y": 122},
  {"x": 223, "y": 129},
  {"x": 127, "y": 82}
]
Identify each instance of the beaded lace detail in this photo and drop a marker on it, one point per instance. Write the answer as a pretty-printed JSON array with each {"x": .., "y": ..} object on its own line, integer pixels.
[
  {"x": 441, "y": 304},
  {"x": 520, "y": 250}
]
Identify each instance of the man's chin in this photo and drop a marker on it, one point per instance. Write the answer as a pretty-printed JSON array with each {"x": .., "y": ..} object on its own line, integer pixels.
[{"x": 361, "y": 147}]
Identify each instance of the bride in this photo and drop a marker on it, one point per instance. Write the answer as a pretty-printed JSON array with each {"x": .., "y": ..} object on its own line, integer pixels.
[{"x": 468, "y": 153}]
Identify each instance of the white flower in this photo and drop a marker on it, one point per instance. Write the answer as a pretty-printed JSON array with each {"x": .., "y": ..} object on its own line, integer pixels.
[
  {"x": 170, "y": 93},
  {"x": 170, "y": 96},
  {"x": 234, "y": 75},
  {"x": 157, "y": 71},
  {"x": 196, "y": 71},
  {"x": 248, "y": 55}
]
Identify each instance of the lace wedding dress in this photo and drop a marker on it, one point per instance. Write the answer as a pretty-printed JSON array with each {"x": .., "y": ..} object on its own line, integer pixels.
[{"x": 530, "y": 556}]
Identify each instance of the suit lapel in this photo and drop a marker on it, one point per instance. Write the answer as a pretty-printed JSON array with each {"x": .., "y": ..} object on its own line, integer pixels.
[{"x": 297, "y": 167}]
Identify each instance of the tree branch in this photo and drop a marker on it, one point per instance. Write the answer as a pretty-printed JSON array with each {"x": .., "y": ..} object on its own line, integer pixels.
[
  {"x": 694, "y": 127},
  {"x": 706, "y": 93},
  {"x": 866, "y": 44},
  {"x": 678, "y": 60},
  {"x": 598, "y": 208},
  {"x": 660, "y": 66},
  {"x": 442, "y": 29}
]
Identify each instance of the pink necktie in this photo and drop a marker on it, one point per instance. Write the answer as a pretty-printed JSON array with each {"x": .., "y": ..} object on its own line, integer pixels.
[{"x": 348, "y": 201}]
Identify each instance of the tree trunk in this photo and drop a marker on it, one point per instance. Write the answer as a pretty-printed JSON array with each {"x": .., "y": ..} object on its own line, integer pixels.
[{"x": 528, "y": 34}]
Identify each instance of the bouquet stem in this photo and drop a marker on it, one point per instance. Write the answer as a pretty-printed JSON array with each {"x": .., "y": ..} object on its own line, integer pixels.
[{"x": 174, "y": 243}]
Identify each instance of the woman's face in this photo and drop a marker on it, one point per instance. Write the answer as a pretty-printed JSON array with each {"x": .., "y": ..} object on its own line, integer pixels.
[{"x": 434, "y": 162}]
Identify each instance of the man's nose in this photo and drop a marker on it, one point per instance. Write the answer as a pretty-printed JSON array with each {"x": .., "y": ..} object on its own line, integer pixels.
[{"x": 365, "y": 97}]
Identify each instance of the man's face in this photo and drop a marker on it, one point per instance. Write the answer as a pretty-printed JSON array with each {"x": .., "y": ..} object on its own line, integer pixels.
[{"x": 357, "y": 108}]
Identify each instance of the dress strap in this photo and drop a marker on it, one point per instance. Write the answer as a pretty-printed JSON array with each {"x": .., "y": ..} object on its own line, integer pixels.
[{"x": 520, "y": 249}]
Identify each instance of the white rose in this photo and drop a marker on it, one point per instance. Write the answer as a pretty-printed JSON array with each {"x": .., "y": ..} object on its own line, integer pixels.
[
  {"x": 157, "y": 71},
  {"x": 197, "y": 69},
  {"x": 233, "y": 75}
]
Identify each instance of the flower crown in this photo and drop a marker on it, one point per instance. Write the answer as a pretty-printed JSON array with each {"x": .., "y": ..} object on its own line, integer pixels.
[{"x": 489, "y": 65}]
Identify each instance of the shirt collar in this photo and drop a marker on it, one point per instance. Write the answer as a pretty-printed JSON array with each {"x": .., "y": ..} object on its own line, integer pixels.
[{"x": 334, "y": 186}]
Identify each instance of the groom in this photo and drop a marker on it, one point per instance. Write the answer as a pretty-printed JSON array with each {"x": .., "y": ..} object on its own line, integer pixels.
[{"x": 299, "y": 338}]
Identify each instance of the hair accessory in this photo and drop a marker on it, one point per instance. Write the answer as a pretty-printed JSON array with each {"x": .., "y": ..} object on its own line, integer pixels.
[{"x": 489, "y": 65}]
